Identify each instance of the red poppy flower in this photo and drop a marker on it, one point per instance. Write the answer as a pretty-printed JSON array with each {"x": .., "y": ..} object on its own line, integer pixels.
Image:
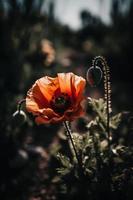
[{"x": 53, "y": 100}]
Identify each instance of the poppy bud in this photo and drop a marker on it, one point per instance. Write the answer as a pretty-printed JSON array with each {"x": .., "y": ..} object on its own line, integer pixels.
[
  {"x": 94, "y": 76},
  {"x": 19, "y": 117}
]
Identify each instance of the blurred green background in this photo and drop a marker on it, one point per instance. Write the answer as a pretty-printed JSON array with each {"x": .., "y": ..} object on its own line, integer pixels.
[{"x": 34, "y": 43}]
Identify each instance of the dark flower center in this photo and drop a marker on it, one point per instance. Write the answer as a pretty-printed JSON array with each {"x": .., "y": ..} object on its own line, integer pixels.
[{"x": 60, "y": 103}]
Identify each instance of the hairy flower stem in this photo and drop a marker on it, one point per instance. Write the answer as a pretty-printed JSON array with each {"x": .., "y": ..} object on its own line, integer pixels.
[
  {"x": 107, "y": 94},
  {"x": 69, "y": 136},
  {"x": 20, "y": 104}
]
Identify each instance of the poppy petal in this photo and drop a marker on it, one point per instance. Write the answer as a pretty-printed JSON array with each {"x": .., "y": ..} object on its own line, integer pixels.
[
  {"x": 79, "y": 87},
  {"x": 48, "y": 86},
  {"x": 44, "y": 119},
  {"x": 35, "y": 99},
  {"x": 73, "y": 113},
  {"x": 72, "y": 84},
  {"x": 66, "y": 82},
  {"x": 31, "y": 104}
]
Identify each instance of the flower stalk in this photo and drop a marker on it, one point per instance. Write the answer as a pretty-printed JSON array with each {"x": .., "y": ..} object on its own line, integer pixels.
[
  {"x": 20, "y": 103},
  {"x": 69, "y": 136},
  {"x": 107, "y": 89}
]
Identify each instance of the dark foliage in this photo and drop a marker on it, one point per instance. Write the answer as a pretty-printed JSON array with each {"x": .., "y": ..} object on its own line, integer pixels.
[{"x": 26, "y": 169}]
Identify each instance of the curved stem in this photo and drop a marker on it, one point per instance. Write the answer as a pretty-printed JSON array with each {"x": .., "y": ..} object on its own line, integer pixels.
[
  {"x": 107, "y": 92},
  {"x": 20, "y": 104}
]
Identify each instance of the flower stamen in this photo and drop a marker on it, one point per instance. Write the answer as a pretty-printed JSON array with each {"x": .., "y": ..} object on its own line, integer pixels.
[{"x": 60, "y": 102}]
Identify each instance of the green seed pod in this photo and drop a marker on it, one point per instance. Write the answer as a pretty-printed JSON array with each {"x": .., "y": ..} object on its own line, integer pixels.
[
  {"x": 19, "y": 117},
  {"x": 94, "y": 76}
]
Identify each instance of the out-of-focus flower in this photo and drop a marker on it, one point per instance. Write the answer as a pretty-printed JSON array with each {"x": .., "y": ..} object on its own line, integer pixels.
[
  {"x": 87, "y": 46},
  {"x": 58, "y": 99},
  {"x": 47, "y": 49}
]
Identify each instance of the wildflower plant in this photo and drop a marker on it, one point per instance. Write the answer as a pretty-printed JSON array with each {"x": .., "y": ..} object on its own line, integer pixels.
[{"x": 98, "y": 165}]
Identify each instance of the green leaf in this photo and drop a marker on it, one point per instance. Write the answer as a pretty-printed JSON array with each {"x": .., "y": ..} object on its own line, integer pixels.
[
  {"x": 115, "y": 120},
  {"x": 65, "y": 161}
]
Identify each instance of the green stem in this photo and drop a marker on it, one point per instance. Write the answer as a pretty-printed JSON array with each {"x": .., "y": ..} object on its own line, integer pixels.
[
  {"x": 20, "y": 104},
  {"x": 107, "y": 92},
  {"x": 69, "y": 136}
]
